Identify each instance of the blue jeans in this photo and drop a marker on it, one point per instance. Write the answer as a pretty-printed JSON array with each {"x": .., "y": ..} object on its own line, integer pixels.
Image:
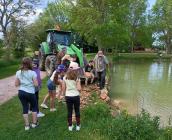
[
  {"x": 101, "y": 78},
  {"x": 27, "y": 99}
]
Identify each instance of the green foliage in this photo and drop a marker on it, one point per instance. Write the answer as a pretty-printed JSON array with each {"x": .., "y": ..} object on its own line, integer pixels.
[
  {"x": 112, "y": 23},
  {"x": 166, "y": 134},
  {"x": 18, "y": 38},
  {"x": 4, "y": 63},
  {"x": 14, "y": 10},
  {"x": 99, "y": 22},
  {"x": 97, "y": 111},
  {"x": 106, "y": 23},
  {"x": 161, "y": 21},
  {"x": 8, "y": 68},
  {"x": 1, "y": 52},
  {"x": 141, "y": 127},
  {"x": 123, "y": 126}
]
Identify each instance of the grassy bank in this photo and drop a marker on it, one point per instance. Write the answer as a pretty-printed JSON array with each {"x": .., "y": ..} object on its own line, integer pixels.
[
  {"x": 96, "y": 124},
  {"x": 8, "y": 68},
  {"x": 140, "y": 56}
]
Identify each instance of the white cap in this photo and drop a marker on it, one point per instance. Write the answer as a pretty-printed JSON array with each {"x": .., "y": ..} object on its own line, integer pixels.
[{"x": 73, "y": 65}]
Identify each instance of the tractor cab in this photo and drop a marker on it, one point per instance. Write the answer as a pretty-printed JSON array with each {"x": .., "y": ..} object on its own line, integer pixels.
[
  {"x": 56, "y": 38},
  {"x": 59, "y": 37}
]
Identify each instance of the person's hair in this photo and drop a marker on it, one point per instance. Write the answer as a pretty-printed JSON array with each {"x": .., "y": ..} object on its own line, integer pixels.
[
  {"x": 72, "y": 75},
  {"x": 26, "y": 64},
  {"x": 56, "y": 78},
  {"x": 90, "y": 61}
]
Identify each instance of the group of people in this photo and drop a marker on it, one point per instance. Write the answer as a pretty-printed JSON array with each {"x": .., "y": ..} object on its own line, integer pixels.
[{"x": 68, "y": 83}]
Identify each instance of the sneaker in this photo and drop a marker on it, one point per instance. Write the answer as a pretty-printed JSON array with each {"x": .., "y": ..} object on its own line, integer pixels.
[
  {"x": 78, "y": 127},
  {"x": 34, "y": 125},
  {"x": 52, "y": 109},
  {"x": 26, "y": 128},
  {"x": 70, "y": 128},
  {"x": 40, "y": 114},
  {"x": 44, "y": 106}
]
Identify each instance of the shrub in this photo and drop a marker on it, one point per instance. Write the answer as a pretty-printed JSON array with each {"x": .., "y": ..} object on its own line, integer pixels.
[
  {"x": 127, "y": 127},
  {"x": 123, "y": 126}
]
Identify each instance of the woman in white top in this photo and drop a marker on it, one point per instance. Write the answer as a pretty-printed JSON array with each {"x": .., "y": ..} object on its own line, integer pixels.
[
  {"x": 26, "y": 80},
  {"x": 73, "y": 87}
]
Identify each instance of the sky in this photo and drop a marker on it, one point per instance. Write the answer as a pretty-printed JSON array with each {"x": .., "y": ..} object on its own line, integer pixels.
[{"x": 151, "y": 2}]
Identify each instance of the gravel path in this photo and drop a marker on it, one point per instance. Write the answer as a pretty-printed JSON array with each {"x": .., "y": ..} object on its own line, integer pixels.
[{"x": 8, "y": 89}]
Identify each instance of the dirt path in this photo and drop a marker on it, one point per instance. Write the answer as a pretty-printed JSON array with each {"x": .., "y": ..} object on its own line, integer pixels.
[{"x": 8, "y": 89}]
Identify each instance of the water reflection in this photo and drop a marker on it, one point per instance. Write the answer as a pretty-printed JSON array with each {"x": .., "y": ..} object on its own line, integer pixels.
[
  {"x": 155, "y": 72},
  {"x": 170, "y": 72},
  {"x": 145, "y": 85}
]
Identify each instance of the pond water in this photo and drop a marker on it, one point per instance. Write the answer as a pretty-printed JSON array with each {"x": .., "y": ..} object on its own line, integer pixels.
[{"x": 144, "y": 85}]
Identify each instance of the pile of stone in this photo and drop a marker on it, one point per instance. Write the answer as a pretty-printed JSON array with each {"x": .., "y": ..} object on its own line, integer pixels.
[
  {"x": 86, "y": 93},
  {"x": 104, "y": 95}
]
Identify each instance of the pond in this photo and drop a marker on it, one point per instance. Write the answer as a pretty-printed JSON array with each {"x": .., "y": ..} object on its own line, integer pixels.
[{"x": 144, "y": 85}]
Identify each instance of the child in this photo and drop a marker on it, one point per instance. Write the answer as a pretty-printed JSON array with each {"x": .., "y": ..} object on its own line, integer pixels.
[
  {"x": 54, "y": 80},
  {"x": 26, "y": 80},
  {"x": 73, "y": 86},
  {"x": 35, "y": 67},
  {"x": 89, "y": 72}
]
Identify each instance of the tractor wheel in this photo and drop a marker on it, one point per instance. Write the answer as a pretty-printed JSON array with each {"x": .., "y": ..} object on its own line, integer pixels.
[{"x": 50, "y": 64}]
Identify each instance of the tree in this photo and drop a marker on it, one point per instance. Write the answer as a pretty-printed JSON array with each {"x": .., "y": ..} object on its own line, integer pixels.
[
  {"x": 87, "y": 17},
  {"x": 18, "y": 37},
  {"x": 162, "y": 17},
  {"x": 10, "y": 9},
  {"x": 137, "y": 21},
  {"x": 111, "y": 23}
]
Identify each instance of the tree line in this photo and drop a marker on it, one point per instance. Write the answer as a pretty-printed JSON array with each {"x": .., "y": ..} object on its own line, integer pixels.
[{"x": 110, "y": 24}]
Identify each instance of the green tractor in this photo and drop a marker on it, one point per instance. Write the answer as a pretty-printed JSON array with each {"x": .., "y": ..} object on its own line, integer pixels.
[{"x": 56, "y": 41}]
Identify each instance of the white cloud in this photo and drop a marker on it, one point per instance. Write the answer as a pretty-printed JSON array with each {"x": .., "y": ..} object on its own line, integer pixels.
[{"x": 32, "y": 17}]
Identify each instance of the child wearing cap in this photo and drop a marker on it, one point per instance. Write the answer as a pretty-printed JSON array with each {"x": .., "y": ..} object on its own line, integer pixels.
[{"x": 54, "y": 80}]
